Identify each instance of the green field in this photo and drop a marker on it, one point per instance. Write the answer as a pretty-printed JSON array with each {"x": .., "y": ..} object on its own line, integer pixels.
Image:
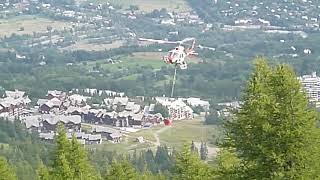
[
  {"x": 175, "y": 136},
  {"x": 153, "y": 59},
  {"x": 186, "y": 131},
  {"x": 85, "y": 45},
  {"x": 29, "y": 23}
]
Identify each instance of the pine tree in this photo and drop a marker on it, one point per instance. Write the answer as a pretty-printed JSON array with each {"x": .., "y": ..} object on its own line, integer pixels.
[
  {"x": 188, "y": 166},
  {"x": 6, "y": 172},
  {"x": 61, "y": 165},
  {"x": 42, "y": 172},
  {"x": 121, "y": 170},
  {"x": 194, "y": 149},
  {"x": 79, "y": 163},
  {"x": 62, "y": 169},
  {"x": 203, "y": 151},
  {"x": 227, "y": 165},
  {"x": 274, "y": 133}
]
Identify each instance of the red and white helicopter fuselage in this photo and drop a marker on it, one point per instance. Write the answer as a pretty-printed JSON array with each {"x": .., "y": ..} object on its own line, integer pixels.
[{"x": 178, "y": 54}]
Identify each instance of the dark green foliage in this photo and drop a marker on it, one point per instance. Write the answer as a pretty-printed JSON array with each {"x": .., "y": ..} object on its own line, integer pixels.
[
  {"x": 203, "y": 151},
  {"x": 22, "y": 149},
  {"x": 274, "y": 134},
  {"x": 42, "y": 172},
  {"x": 6, "y": 172},
  {"x": 71, "y": 161},
  {"x": 188, "y": 166},
  {"x": 213, "y": 118},
  {"x": 163, "y": 159},
  {"x": 121, "y": 170},
  {"x": 162, "y": 110}
]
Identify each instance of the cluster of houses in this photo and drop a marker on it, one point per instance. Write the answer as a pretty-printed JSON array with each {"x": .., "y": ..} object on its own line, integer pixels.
[
  {"x": 13, "y": 104},
  {"x": 73, "y": 109},
  {"x": 255, "y": 13},
  {"x": 187, "y": 17}
]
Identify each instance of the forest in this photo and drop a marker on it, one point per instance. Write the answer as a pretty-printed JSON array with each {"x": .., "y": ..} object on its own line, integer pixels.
[{"x": 272, "y": 136}]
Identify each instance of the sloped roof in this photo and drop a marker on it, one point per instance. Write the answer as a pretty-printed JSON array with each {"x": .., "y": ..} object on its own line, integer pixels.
[
  {"x": 76, "y": 119},
  {"x": 137, "y": 117},
  {"x": 15, "y": 94},
  {"x": 53, "y": 102},
  {"x": 130, "y": 106},
  {"x": 136, "y": 108},
  {"x": 78, "y": 98},
  {"x": 32, "y": 121},
  {"x": 121, "y": 100},
  {"x": 125, "y": 114},
  {"x": 53, "y": 120},
  {"x": 101, "y": 129},
  {"x": 47, "y": 136},
  {"x": 94, "y": 137},
  {"x": 115, "y": 135},
  {"x": 112, "y": 114},
  {"x": 40, "y": 102},
  {"x": 54, "y": 93}
]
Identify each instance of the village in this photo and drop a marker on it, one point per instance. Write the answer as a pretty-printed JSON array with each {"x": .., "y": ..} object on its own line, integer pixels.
[{"x": 107, "y": 120}]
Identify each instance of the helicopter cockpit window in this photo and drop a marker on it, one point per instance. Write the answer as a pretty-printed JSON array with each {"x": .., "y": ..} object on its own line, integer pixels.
[{"x": 173, "y": 54}]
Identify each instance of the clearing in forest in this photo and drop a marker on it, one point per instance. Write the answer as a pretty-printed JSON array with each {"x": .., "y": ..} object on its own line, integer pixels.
[{"x": 28, "y": 24}]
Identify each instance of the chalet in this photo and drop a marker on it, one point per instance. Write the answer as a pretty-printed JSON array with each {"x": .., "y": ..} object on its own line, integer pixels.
[
  {"x": 15, "y": 94},
  {"x": 71, "y": 122},
  {"x": 123, "y": 119},
  {"x": 110, "y": 117},
  {"x": 115, "y": 137},
  {"x": 50, "y": 122},
  {"x": 41, "y": 102},
  {"x": 81, "y": 111},
  {"x": 93, "y": 139},
  {"x": 32, "y": 122},
  {"x": 56, "y": 94},
  {"x": 152, "y": 118},
  {"x": 53, "y": 103},
  {"x": 104, "y": 131},
  {"x": 136, "y": 119},
  {"x": 13, "y": 106},
  {"x": 77, "y": 100},
  {"x": 122, "y": 101}
]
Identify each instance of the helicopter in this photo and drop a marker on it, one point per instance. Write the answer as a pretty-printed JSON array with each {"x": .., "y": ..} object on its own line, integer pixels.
[{"x": 177, "y": 55}]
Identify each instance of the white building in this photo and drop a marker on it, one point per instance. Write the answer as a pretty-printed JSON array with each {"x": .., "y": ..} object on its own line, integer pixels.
[
  {"x": 194, "y": 102},
  {"x": 178, "y": 110},
  {"x": 311, "y": 84}
]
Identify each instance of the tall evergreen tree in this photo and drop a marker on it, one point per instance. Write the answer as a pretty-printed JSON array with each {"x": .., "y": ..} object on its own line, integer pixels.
[
  {"x": 188, "y": 166},
  {"x": 42, "y": 172},
  {"x": 194, "y": 149},
  {"x": 203, "y": 151},
  {"x": 6, "y": 172},
  {"x": 274, "y": 133},
  {"x": 61, "y": 168},
  {"x": 121, "y": 170},
  {"x": 79, "y": 162}
]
